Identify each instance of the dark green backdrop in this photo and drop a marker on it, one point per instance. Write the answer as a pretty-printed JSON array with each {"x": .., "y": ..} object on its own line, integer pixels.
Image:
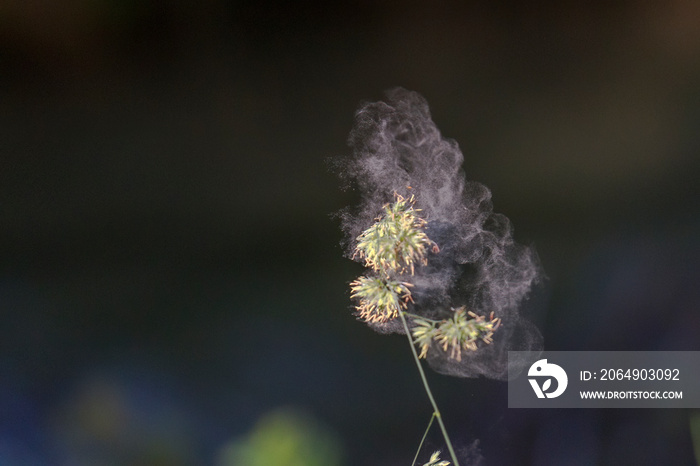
[{"x": 169, "y": 271}]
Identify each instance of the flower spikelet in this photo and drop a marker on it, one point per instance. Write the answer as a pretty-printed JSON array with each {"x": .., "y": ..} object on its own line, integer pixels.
[
  {"x": 396, "y": 241},
  {"x": 435, "y": 460},
  {"x": 381, "y": 299},
  {"x": 424, "y": 333},
  {"x": 461, "y": 332}
]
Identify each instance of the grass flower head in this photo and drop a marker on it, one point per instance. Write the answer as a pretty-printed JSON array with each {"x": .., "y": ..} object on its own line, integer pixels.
[
  {"x": 381, "y": 299},
  {"x": 396, "y": 242}
]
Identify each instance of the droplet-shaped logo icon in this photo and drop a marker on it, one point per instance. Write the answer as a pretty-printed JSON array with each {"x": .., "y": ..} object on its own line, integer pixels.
[{"x": 542, "y": 369}]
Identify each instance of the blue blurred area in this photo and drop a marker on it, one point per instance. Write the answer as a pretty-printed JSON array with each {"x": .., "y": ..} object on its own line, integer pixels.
[{"x": 169, "y": 272}]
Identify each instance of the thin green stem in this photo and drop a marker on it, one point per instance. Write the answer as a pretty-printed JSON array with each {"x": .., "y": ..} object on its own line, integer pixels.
[
  {"x": 436, "y": 411},
  {"x": 424, "y": 318},
  {"x": 432, "y": 418}
]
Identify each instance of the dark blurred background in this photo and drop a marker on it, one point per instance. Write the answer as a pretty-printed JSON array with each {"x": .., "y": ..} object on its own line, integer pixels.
[{"x": 172, "y": 287}]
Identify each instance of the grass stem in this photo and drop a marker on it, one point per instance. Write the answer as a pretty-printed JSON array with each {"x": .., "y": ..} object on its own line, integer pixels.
[
  {"x": 436, "y": 411},
  {"x": 432, "y": 418}
]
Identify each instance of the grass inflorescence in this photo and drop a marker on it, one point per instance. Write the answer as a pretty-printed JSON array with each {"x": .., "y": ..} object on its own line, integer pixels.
[
  {"x": 380, "y": 299},
  {"x": 392, "y": 248},
  {"x": 461, "y": 332},
  {"x": 397, "y": 240}
]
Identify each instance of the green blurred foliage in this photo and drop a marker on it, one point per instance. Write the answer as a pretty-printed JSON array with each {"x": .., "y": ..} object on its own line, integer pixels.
[
  {"x": 284, "y": 437},
  {"x": 695, "y": 433}
]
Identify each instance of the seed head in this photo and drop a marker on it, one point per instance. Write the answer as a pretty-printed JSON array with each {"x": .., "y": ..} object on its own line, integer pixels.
[
  {"x": 435, "y": 460},
  {"x": 461, "y": 332},
  {"x": 381, "y": 299},
  {"x": 396, "y": 242}
]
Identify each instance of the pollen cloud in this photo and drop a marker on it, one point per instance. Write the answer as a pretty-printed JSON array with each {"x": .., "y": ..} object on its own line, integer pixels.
[{"x": 397, "y": 148}]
